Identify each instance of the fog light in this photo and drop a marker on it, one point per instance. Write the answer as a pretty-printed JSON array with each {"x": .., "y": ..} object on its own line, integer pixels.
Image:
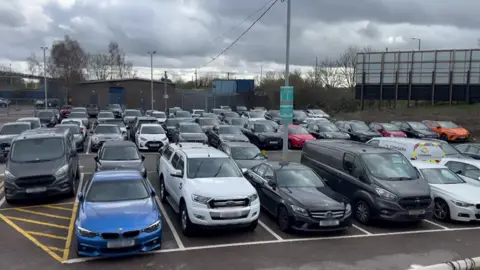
[
  {"x": 199, "y": 216},
  {"x": 254, "y": 213},
  {"x": 386, "y": 212}
]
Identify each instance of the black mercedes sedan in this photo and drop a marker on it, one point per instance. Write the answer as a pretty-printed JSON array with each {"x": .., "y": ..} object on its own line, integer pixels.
[
  {"x": 225, "y": 133},
  {"x": 326, "y": 130},
  {"x": 263, "y": 135},
  {"x": 358, "y": 130},
  {"x": 245, "y": 154},
  {"x": 298, "y": 198}
]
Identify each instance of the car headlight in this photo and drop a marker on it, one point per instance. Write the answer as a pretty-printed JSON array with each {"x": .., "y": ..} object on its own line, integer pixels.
[
  {"x": 299, "y": 210},
  {"x": 164, "y": 139},
  {"x": 155, "y": 226},
  {"x": 200, "y": 199},
  {"x": 9, "y": 177},
  {"x": 143, "y": 139},
  {"x": 86, "y": 233},
  {"x": 95, "y": 139},
  {"x": 385, "y": 194},
  {"x": 420, "y": 135},
  {"x": 62, "y": 172},
  {"x": 253, "y": 197},
  {"x": 297, "y": 139},
  {"x": 462, "y": 204},
  {"x": 348, "y": 209}
]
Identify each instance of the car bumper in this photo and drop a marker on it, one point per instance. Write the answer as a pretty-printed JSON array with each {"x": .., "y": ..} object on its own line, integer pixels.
[
  {"x": 459, "y": 138},
  {"x": 465, "y": 214},
  {"x": 392, "y": 211},
  {"x": 98, "y": 247},
  {"x": 309, "y": 224},
  {"x": 61, "y": 186},
  {"x": 200, "y": 215},
  {"x": 271, "y": 144},
  {"x": 151, "y": 146}
]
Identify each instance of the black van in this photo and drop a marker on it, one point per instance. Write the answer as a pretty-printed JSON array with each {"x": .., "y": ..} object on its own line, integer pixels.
[
  {"x": 381, "y": 183},
  {"x": 41, "y": 163}
]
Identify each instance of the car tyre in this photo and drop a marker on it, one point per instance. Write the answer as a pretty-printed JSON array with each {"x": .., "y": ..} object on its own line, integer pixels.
[
  {"x": 163, "y": 191},
  {"x": 441, "y": 211},
  {"x": 362, "y": 212},
  {"x": 283, "y": 219},
  {"x": 188, "y": 228},
  {"x": 444, "y": 137},
  {"x": 73, "y": 187},
  {"x": 252, "y": 226},
  {"x": 77, "y": 173}
]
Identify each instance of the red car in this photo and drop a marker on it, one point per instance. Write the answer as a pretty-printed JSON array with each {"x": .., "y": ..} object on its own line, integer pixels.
[
  {"x": 388, "y": 130},
  {"x": 297, "y": 136},
  {"x": 65, "y": 111}
]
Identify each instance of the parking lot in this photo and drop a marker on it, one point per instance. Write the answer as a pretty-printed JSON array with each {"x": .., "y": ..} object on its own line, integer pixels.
[{"x": 41, "y": 234}]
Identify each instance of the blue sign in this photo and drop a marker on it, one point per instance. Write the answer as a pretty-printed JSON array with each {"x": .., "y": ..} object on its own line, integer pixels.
[{"x": 286, "y": 104}]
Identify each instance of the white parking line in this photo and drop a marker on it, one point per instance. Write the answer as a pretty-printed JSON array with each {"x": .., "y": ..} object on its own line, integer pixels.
[
  {"x": 270, "y": 230},
  {"x": 80, "y": 186},
  {"x": 361, "y": 229},
  {"x": 79, "y": 260},
  {"x": 88, "y": 145},
  {"x": 436, "y": 224},
  {"x": 170, "y": 224}
]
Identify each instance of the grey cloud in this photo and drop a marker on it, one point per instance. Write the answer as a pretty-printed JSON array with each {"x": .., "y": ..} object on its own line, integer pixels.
[{"x": 370, "y": 30}]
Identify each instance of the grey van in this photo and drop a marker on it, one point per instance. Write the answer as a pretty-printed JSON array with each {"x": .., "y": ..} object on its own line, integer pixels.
[{"x": 381, "y": 183}]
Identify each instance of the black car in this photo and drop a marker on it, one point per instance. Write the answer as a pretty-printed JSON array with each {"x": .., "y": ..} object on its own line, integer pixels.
[
  {"x": 245, "y": 154},
  {"x": 47, "y": 118},
  {"x": 298, "y": 198},
  {"x": 120, "y": 155},
  {"x": 116, "y": 109},
  {"x": 171, "y": 124},
  {"x": 299, "y": 117},
  {"x": 415, "y": 129},
  {"x": 77, "y": 134},
  {"x": 8, "y": 132},
  {"x": 469, "y": 149},
  {"x": 92, "y": 110},
  {"x": 273, "y": 115},
  {"x": 225, "y": 133},
  {"x": 189, "y": 132},
  {"x": 224, "y": 116},
  {"x": 263, "y": 135},
  {"x": 238, "y": 122},
  {"x": 207, "y": 123},
  {"x": 42, "y": 163},
  {"x": 326, "y": 130},
  {"x": 358, "y": 130},
  {"x": 182, "y": 114}
]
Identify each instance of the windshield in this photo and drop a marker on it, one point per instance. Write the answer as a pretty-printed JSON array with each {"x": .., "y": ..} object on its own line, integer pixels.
[
  {"x": 218, "y": 111},
  {"x": 66, "y": 107},
  {"x": 299, "y": 114},
  {"x": 183, "y": 114},
  {"x": 447, "y": 124},
  {"x": 389, "y": 166},
  {"x": 152, "y": 130},
  {"x": 71, "y": 122},
  {"x": 241, "y": 108},
  {"x": 263, "y": 128},
  {"x": 298, "y": 178},
  {"x": 107, "y": 130},
  {"x": 198, "y": 111},
  {"x": 212, "y": 167},
  {"x": 120, "y": 153},
  {"x": 113, "y": 191},
  {"x": 159, "y": 115},
  {"x": 229, "y": 130},
  {"x": 238, "y": 121},
  {"x": 173, "y": 122},
  {"x": 390, "y": 127},
  {"x": 78, "y": 115},
  {"x": 33, "y": 122},
  {"x": 418, "y": 126},
  {"x": 449, "y": 150},
  {"x": 190, "y": 129},
  {"x": 209, "y": 115},
  {"x": 231, "y": 114},
  {"x": 45, "y": 114},
  {"x": 74, "y": 129},
  {"x": 246, "y": 153},
  {"x": 14, "y": 129},
  {"x": 105, "y": 115},
  {"x": 274, "y": 113},
  {"x": 119, "y": 123},
  {"x": 256, "y": 114},
  {"x": 317, "y": 111},
  {"x": 32, "y": 150},
  {"x": 327, "y": 127},
  {"x": 208, "y": 122},
  {"x": 133, "y": 113},
  {"x": 359, "y": 126},
  {"x": 297, "y": 130},
  {"x": 441, "y": 176}
]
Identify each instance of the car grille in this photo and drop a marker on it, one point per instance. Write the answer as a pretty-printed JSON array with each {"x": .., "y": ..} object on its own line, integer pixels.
[
  {"x": 229, "y": 203},
  {"x": 109, "y": 236},
  {"x": 327, "y": 214},
  {"x": 131, "y": 234},
  {"x": 149, "y": 144},
  {"x": 127, "y": 234},
  {"x": 38, "y": 180},
  {"x": 415, "y": 202}
]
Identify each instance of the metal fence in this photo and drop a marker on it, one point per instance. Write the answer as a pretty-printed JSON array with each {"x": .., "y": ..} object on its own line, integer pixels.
[{"x": 191, "y": 99}]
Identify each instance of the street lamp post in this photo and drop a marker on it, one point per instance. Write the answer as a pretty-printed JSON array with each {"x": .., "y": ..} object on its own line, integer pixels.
[
  {"x": 44, "y": 48},
  {"x": 151, "y": 76},
  {"x": 419, "y": 42},
  {"x": 287, "y": 80}
]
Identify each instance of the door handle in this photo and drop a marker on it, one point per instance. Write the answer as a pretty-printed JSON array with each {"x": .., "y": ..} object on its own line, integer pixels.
[{"x": 180, "y": 186}]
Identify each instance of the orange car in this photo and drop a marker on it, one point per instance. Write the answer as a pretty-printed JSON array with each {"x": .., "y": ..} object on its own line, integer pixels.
[{"x": 448, "y": 130}]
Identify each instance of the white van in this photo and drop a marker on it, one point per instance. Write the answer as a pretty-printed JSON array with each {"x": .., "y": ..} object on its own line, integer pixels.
[{"x": 413, "y": 149}]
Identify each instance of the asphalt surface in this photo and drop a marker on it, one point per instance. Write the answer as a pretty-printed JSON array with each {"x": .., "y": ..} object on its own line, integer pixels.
[{"x": 40, "y": 233}]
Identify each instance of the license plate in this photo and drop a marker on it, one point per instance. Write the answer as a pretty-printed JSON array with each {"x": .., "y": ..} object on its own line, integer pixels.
[
  {"x": 274, "y": 142},
  {"x": 326, "y": 223},
  {"x": 230, "y": 214},
  {"x": 154, "y": 145},
  {"x": 120, "y": 243},
  {"x": 36, "y": 190},
  {"x": 416, "y": 212}
]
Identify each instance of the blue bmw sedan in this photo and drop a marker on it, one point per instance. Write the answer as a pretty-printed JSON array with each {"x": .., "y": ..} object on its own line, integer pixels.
[{"x": 118, "y": 215}]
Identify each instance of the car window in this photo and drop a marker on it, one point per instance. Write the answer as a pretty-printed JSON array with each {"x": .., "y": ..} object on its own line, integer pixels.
[
  {"x": 190, "y": 129},
  {"x": 389, "y": 166},
  {"x": 472, "y": 150},
  {"x": 297, "y": 178},
  {"x": 112, "y": 191},
  {"x": 37, "y": 149},
  {"x": 229, "y": 130},
  {"x": 180, "y": 165},
  {"x": 374, "y": 142},
  {"x": 263, "y": 128},
  {"x": 133, "y": 113},
  {"x": 246, "y": 153},
  {"x": 462, "y": 147},
  {"x": 418, "y": 126},
  {"x": 14, "y": 129},
  {"x": 441, "y": 176},
  {"x": 447, "y": 124},
  {"x": 105, "y": 115},
  {"x": 74, "y": 129},
  {"x": 45, "y": 114},
  {"x": 168, "y": 153},
  {"x": 456, "y": 167},
  {"x": 78, "y": 115},
  {"x": 175, "y": 160},
  {"x": 260, "y": 170},
  {"x": 107, "y": 130},
  {"x": 359, "y": 126},
  {"x": 472, "y": 172},
  {"x": 269, "y": 175},
  {"x": 120, "y": 153},
  {"x": 152, "y": 130},
  {"x": 159, "y": 115}
]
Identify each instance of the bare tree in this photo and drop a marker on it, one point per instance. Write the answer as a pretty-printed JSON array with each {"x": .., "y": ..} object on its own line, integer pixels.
[
  {"x": 33, "y": 65},
  {"x": 328, "y": 74},
  {"x": 120, "y": 68},
  {"x": 347, "y": 64},
  {"x": 98, "y": 66},
  {"x": 68, "y": 60}
]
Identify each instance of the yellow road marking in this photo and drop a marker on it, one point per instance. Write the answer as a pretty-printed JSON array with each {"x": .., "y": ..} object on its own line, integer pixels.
[
  {"x": 66, "y": 251},
  {"x": 35, "y": 206},
  {"x": 42, "y": 214},
  {"x": 37, "y": 222},
  {"x": 29, "y": 237},
  {"x": 55, "y": 248},
  {"x": 59, "y": 207},
  {"x": 47, "y": 235}
]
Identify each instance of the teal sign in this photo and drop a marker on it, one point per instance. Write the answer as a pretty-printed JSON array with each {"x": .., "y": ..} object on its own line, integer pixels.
[{"x": 286, "y": 104}]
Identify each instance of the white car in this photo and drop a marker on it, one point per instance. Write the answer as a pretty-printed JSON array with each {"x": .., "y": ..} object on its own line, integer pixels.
[
  {"x": 206, "y": 188},
  {"x": 150, "y": 137},
  {"x": 197, "y": 112},
  {"x": 467, "y": 169},
  {"x": 80, "y": 115},
  {"x": 317, "y": 113},
  {"x": 161, "y": 116},
  {"x": 453, "y": 197},
  {"x": 78, "y": 122}
]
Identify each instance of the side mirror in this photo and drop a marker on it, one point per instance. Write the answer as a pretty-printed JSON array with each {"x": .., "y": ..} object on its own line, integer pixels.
[
  {"x": 177, "y": 173},
  {"x": 80, "y": 197},
  {"x": 272, "y": 183},
  {"x": 143, "y": 158},
  {"x": 459, "y": 172},
  {"x": 244, "y": 170},
  {"x": 153, "y": 193}
]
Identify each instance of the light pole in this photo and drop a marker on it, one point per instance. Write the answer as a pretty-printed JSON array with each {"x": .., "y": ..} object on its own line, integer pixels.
[
  {"x": 419, "y": 42},
  {"x": 287, "y": 80},
  {"x": 44, "y": 48},
  {"x": 151, "y": 76},
  {"x": 165, "y": 94}
]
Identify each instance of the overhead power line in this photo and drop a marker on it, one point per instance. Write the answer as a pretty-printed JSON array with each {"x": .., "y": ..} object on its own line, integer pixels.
[
  {"x": 241, "y": 35},
  {"x": 236, "y": 26}
]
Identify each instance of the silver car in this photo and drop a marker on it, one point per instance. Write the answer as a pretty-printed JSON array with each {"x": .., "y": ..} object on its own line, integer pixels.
[
  {"x": 104, "y": 133},
  {"x": 120, "y": 155}
]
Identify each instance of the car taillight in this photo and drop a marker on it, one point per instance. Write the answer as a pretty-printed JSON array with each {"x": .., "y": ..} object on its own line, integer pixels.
[{"x": 81, "y": 129}]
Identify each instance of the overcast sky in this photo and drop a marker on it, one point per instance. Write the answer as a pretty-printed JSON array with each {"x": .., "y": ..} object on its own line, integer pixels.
[{"x": 182, "y": 31}]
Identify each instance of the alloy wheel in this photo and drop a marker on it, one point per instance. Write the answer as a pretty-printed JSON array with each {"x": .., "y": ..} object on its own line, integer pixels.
[
  {"x": 184, "y": 219},
  {"x": 362, "y": 212},
  {"x": 441, "y": 210}
]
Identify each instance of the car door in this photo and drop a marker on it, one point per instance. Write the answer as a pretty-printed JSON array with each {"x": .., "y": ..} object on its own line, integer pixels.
[
  {"x": 271, "y": 195},
  {"x": 72, "y": 153},
  {"x": 255, "y": 176},
  {"x": 171, "y": 181},
  {"x": 179, "y": 182}
]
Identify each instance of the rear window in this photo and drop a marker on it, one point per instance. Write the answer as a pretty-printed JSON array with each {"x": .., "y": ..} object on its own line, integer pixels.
[
  {"x": 78, "y": 115},
  {"x": 133, "y": 113},
  {"x": 45, "y": 114},
  {"x": 190, "y": 129},
  {"x": 159, "y": 115},
  {"x": 183, "y": 114}
]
